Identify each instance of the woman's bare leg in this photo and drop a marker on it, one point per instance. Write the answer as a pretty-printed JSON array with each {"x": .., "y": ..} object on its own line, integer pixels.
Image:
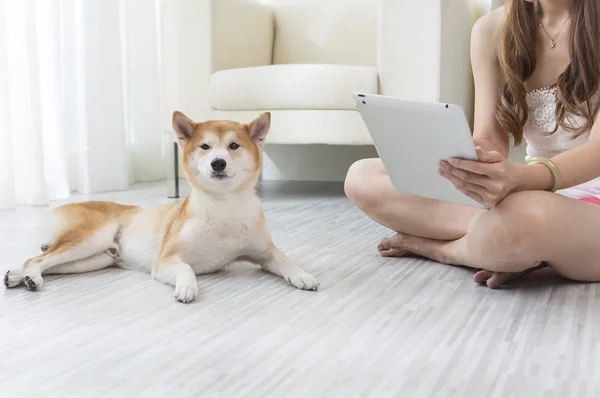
[
  {"x": 369, "y": 188},
  {"x": 521, "y": 232}
]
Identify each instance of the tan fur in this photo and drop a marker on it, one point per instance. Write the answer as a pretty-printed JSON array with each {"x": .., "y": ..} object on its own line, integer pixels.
[
  {"x": 170, "y": 245},
  {"x": 83, "y": 219},
  {"x": 219, "y": 222}
]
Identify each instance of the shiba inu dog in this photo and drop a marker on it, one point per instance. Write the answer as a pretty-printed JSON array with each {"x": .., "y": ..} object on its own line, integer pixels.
[{"x": 221, "y": 221}]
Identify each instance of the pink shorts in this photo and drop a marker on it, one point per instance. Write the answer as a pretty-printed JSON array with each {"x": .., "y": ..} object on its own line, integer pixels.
[{"x": 594, "y": 201}]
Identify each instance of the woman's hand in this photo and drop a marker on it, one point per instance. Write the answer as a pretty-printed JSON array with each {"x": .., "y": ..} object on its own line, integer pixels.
[{"x": 488, "y": 181}]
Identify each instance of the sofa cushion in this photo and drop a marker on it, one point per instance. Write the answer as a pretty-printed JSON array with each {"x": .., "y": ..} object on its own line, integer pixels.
[
  {"x": 300, "y": 86},
  {"x": 308, "y": 126},
  {"x": 340, "y": 32}
]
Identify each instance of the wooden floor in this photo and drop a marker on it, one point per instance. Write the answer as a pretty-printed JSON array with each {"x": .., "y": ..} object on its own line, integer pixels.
[{"x": 377, "y": 328}]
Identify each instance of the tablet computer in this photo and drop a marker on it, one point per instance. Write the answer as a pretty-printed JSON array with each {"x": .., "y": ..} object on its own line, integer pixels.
[{"x": 411, "y": 139}]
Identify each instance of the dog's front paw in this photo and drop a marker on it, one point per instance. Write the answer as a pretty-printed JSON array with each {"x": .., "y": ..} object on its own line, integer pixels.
[
  {"x": 186, "y": 292},
  {"x": 303, "y": 280}
]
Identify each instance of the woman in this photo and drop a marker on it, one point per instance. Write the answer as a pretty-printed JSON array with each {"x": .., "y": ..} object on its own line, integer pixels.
[{"x": 536, "y": 67}]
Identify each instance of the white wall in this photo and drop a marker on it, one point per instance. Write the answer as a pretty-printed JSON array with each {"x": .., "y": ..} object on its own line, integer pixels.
[{"x": 489, "y": 4}]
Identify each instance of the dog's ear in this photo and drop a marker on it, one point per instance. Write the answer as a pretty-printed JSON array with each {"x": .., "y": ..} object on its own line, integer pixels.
[
  {"x": 183, "y": 127},
  {"x": 259, "y": 128}
]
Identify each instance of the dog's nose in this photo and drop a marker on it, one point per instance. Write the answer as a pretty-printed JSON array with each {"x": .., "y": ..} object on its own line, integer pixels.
[{"x": 218, "y": 164}]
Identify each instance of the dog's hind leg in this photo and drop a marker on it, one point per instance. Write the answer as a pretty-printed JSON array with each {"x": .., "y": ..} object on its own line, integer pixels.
[
  {"x": 94, "y": 263},
  {"x": 72, "y": 245}
]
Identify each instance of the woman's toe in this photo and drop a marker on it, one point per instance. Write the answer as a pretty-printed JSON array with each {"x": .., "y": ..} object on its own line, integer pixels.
[
  {"x": 497, "y": 279},
  {"x": 482, "y": 276},
  {"x": 382, "y": 246},
  {"x": 392, "y": 252}
]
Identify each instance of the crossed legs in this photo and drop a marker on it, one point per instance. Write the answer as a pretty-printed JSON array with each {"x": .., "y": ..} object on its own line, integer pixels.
[{"x": 521, "y": 232}]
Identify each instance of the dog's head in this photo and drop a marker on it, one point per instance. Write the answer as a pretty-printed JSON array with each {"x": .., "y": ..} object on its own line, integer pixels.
[{"x": 221, "y": 156}]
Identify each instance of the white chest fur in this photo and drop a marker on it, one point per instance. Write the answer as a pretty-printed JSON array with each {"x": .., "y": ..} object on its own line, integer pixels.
[
  {"x": 221, "y": 231},
  {"x": 214, "y": 232}
]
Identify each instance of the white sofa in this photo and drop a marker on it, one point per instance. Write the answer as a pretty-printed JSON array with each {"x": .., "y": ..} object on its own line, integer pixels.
[{"x": 302, "y": 60}]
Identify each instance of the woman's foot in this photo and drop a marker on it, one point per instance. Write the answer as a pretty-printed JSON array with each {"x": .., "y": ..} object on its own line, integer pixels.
[
  {"x": 495, "y": 280},
  {"x": 401, "y": 245},
  {"x": 394, "y": 246}
]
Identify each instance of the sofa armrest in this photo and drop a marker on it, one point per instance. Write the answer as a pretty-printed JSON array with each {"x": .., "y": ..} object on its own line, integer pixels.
[
  {"x": 427, "y": 61},
  {"x": 199, "y": 37}
]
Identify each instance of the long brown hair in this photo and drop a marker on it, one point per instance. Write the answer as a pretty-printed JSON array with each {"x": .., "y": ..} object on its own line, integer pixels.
[{"x": 575, "y": 86}]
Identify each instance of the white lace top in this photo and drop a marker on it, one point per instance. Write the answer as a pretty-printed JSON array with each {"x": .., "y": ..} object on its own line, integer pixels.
[{"x": 542, "y": 141}]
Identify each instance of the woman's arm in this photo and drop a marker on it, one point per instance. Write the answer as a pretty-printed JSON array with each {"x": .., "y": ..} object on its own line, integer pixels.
[
  {"x": 487, "y": 132},
  {"x": 576, "y": 166},
  {"x": 493, "y": 177}
]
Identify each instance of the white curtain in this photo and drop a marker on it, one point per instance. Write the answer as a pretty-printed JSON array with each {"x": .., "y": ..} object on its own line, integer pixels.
[{"x": 79, "y": 98}]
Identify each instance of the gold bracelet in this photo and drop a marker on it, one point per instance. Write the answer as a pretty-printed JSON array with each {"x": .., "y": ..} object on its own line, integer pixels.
[{"x": 550, "y": 165}]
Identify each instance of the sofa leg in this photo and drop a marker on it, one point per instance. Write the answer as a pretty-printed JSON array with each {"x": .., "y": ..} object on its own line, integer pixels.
[{"x": 173, "y": 175}]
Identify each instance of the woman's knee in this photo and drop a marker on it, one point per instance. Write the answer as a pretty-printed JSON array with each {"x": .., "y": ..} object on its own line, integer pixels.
[
  {"x": 361, "y": 179},
  {"x": 522, "y": 208},
  {"x": 507, "y": 233},
  {"x": 527, "y": 208}
]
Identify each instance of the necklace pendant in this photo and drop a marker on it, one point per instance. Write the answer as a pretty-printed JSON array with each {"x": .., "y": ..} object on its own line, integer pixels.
[{"x": 552, "y": 44}]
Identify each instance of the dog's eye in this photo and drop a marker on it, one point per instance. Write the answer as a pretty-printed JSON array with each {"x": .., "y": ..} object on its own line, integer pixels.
[
  {"x": 233, "y": 146},
  {"x": 205, "y": 147}
]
